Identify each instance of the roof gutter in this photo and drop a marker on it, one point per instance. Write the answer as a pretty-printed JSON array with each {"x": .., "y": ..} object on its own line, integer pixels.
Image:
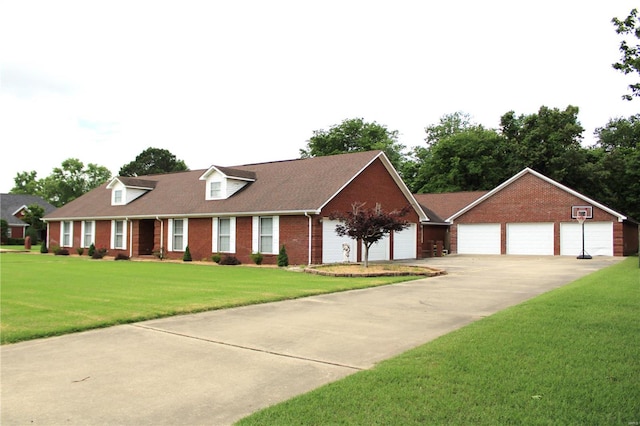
[{"x": 187, "y": 215}]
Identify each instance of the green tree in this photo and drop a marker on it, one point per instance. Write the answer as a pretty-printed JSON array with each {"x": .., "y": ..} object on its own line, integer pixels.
[
  {"x": 283, "y": 257},
  {"x": 153, "y": 161},
  {"x": 548, "y": 141},
  {"x": 468, "y": 160},
  {"x": 355, "y": 135},
  {"x": 449, "y": 125},
  {"x": 71, "y": 180},
  {"x": 630, "y": 61},
  {"x": 33, "y": 216},
  {"x": 614, "y": 177},
  {"x": 27, "y": 183},
  {"x": 416, "y": 167},
  {"x": 460, "y": 155},
  {"x": 64, "y": 184}
]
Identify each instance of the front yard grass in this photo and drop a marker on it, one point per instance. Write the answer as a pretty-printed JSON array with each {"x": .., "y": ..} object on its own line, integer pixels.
[
  {"x": 567, "y": 357},
  {"x": 46, "y": 295}
]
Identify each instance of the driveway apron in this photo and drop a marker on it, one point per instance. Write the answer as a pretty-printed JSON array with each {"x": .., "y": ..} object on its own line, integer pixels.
[{"x": 216, "y": 367}]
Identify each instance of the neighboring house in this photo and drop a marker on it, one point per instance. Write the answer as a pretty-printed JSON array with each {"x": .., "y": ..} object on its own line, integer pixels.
[
  {"x": 530, "y": 214},
  {"x": 242, "y": 210},
  {"x": 14, "y": 208}
]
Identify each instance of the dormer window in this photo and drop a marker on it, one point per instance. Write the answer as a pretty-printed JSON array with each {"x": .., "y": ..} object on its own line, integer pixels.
[
  {"x": 223, "y": 182},
  {"x": 126, "y": 189},
  {"x": 216, "y": 190}
]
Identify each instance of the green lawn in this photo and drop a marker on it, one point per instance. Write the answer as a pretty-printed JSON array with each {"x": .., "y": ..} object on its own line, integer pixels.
[
  {"x": 46, "y": 295},
  {"x": 568, "y": 357}
]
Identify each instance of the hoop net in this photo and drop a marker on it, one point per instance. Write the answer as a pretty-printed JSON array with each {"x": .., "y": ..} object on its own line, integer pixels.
[{"x": 581, "y": 216}]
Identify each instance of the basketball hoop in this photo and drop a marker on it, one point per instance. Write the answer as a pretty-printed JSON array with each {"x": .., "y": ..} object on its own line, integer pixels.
[{"x": 581, "y": 216}]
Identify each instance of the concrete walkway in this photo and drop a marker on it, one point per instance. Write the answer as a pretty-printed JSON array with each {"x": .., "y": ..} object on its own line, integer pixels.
[{"x": 216, "y": 367}]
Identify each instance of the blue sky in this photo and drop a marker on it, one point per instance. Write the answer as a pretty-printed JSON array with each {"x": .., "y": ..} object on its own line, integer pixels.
[{"x": 231, "y": 83}]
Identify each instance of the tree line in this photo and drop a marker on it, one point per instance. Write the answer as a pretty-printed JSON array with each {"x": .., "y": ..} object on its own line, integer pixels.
[
  {"x": 460, "y": 155},
  {"x": 72, "y": 178}
]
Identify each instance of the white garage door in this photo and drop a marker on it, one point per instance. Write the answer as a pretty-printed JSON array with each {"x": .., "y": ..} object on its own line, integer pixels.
[
  {"x": 404, "y": 243},
  {"x": 479, "y": 238},
  {"x": 332, "y": 251},
  {"x": 530, "y": 238},
  {"x": 379, "y": 250},
  {"x": 598, "y": 238}
]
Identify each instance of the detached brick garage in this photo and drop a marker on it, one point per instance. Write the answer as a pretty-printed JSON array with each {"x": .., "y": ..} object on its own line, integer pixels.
[{"x": 531, "y": 214}]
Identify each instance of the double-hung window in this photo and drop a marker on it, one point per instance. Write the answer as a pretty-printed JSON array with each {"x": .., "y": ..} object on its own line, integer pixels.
[
  {"x": 119, "y": 234},
  {"x": 66, "y": 234},
  {"x": 88, "y": 231},
  {"x": 224, "y": 235},
  {"x": 266, "y": 234},
  {"x": 178, "y": 234},
  {"x": 215, "y": 190}
]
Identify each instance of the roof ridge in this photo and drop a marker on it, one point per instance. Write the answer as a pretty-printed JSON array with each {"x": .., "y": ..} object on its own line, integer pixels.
[{"x": 305, "y": 158}]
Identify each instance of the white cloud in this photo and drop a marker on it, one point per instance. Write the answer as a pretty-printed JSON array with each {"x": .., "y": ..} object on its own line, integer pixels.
[{"x": 236, "y": 82}]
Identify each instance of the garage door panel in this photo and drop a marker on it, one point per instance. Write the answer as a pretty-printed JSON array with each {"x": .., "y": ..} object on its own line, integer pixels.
[
  {"x": 530, "y": 238},
  {"x": 332, "y": 251},
  {"x": 479, "y": 238},
  {"x": 405, "y": 243},
  {"x": 598, "y": 238},
  {"x": 379, "y": 250}
]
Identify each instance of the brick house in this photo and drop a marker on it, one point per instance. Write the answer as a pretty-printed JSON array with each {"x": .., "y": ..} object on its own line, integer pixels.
[
  {"x": 13, "y": 209},
  {"x": 529, "y": 214},
  {"x": 241, "y": 210}
]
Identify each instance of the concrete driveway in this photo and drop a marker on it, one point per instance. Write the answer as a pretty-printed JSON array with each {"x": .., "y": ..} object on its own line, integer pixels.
[{"x": 216, "y": 367}]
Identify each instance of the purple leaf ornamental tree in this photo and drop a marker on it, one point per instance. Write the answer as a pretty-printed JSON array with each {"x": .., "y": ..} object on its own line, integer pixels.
[{"x": 369, "y": 225}]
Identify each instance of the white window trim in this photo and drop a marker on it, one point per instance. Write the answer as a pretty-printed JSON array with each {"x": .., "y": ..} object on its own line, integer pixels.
[
  {"x": 185, "y": 235},
  {"x": 212, "y": 196},
  {"x": 124, "y": 234},
  {"x": 123, "y": 195},
  {"x": 215, "y": 235},
  {"x": 70, "y": 233},
  {"x": 255, "y": 234},
  {"x": 84, "y": 243}
]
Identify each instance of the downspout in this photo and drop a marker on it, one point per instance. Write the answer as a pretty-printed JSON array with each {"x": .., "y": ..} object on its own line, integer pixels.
[{"x": 310, "y": 222}]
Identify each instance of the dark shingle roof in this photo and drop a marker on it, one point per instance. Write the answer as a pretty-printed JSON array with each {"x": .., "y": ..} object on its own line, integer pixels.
[
  {"x": 137, "y": 182},
  {"x": 282, "y": 186},
  {"x": 11, "y": 203},
  {"x": 446, "y": 204}
]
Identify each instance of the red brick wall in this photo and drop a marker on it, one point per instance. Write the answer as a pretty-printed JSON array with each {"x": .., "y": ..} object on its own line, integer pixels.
[
  {"x": 200, "y": 234},
  {"x": 294, "y": 235},
  {"x": 316, "y": 240},
  {"x": 531, "y": 199},
  {"x": 373, "y": 185},
  {"x": 244, "y": 228},
  {"x": 53, "y": 234}
]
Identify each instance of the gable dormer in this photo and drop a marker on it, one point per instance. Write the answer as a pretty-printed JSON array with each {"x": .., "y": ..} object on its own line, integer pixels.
[
  {"x": 223, "y": 182},
  {"x": 126, "y": 189}
]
